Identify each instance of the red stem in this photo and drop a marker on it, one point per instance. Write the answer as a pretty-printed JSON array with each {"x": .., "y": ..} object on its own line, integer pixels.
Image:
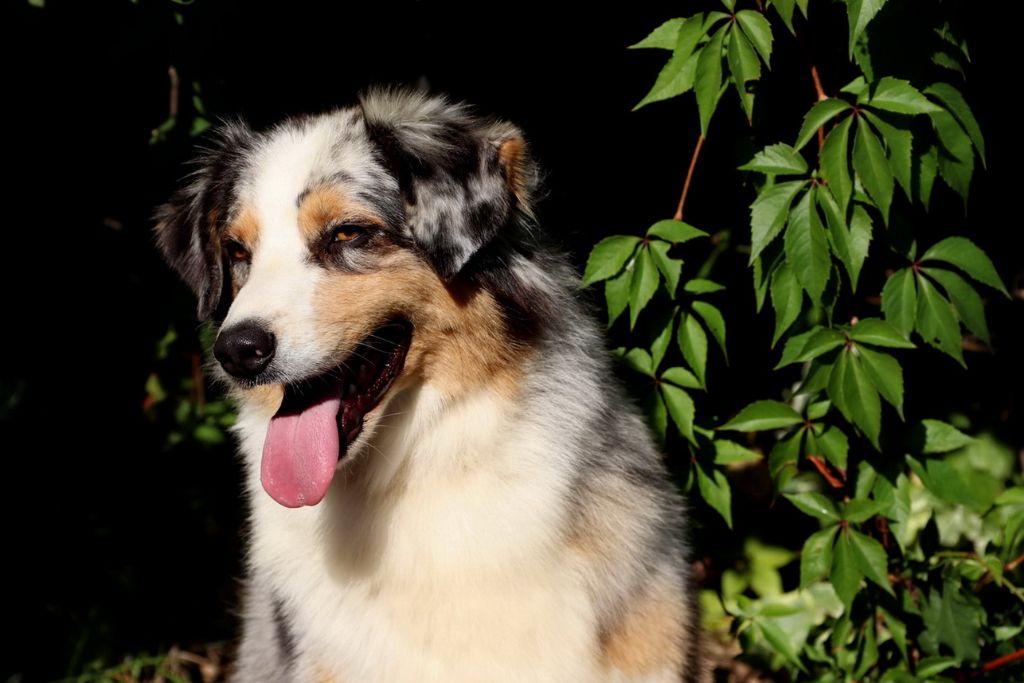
[
  {"x": 1003, "y": 661},
  {"x": 689, "y": 177},
  {"x": 821, "y": 96}
]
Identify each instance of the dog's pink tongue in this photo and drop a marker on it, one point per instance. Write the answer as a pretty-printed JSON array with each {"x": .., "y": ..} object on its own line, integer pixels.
[{"x": 301, "y": 453}]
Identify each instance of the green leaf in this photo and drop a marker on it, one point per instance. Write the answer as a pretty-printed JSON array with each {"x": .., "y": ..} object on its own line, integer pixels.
[
  {"x": 899, "y": 97},
  {"x": 872, "y": 168},
  {"x": 616, "y": 295},
  {"x": 608, "y": 257},
  {"x": 715, "y": 491},
  {"x": 744, "y": 65},
  {"x": 769, "y": 212},
  {"x": 1011, "y": 496},
  {"x": 674, "y": 231},
  {"x": 816, "y": 556},
  {"x": 670, "y": 268},
  {"x": 930, "y": 667},
  {"x": 871, "y": 559},
  {"x": 956, "y": 105},
  {"x": 759, "y": 31},
  {"x": 860, "y": 13},
  {"x": 965, "y": 300},
  {"x": 944, "y": 481},
  {"x": 760, "y": 416},
  {"x": 715, "y": 322},
  {"x": 664, "y": 37},
  {"x": 854, "y": 394},
  {"x": 681, "y": 377},
  {"x": 806, "y": 245},
  {"x": 810, "y": 345},
  {"x": 680, "y": 407},
  {"x": 898, "y": 629},
  {"x": 662, "y": 339},
  {"x": 780, "y": 641},
  {"x": 787, "y": 297},
  {"x": 859, "y": 511},
  {"x": 785, "y": 10},
  {"x": 677, "y": 76},
  {"x": 782, "y": 461},
  {"x": 956, "y": 157},
  {"x": 779, "y": 159},
  {"x": 899, "y": 144},
  {"x": 886, "y": 374},
  {"x": 846, "y": 575},
  {"x": 879, "y": 333},
  {"x": 708, "y": 78},
  {"x": 834, "y": 446},
  {"x": 820, "y": 114},
  {"x": 851, "y": 243},
  {"x": 701, "y": 286},
  {"x": 657, "y": 414},
  {"x": 818, "y": 409},
  {"x": 835, "y": 163},
  {"x": 899, "y": 301},
  {"x": 925, "y": 168},
  {"x": 731, "y": 453},
  {"x": 815, "y": 505},
  {"x": 939, "y": 437},
  {"x": 693, "y": 342},
  {"x": 936, "y": 320},
  {"x": 761, "y": 280},
  {"x": 639, "y": 360},
  {"x": 954, "y": 618},
  {"x": 645, "y": 284},
  {"x": 965, "y": 255}
]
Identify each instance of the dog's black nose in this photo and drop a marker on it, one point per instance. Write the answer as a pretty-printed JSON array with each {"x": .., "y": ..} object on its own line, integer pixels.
[{"x": 245, "y": 349}]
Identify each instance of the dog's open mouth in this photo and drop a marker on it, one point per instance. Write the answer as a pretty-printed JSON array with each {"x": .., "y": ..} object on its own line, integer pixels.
[{"x": 321, "y": 417}]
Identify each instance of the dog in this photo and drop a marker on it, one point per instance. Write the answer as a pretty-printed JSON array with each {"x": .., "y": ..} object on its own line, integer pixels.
[{"x": 446, "y": 481}]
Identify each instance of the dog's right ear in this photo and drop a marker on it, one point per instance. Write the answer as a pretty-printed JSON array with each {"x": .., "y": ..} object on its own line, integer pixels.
[{"x": 188, "y": 226}]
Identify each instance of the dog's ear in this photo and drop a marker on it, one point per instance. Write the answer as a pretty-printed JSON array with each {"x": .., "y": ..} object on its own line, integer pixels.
[
  {"x": 463, "y": 178},
  {"x": 187, "y": 226}
]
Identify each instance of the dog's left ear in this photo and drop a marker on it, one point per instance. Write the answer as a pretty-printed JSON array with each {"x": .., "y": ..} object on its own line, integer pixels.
[
  {"x": 463, "y": 178},
  {"x": 187, "y": 226}
]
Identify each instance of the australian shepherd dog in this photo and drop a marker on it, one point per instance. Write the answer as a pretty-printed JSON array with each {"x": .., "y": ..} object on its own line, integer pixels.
[{"x": 446, "y": 482}]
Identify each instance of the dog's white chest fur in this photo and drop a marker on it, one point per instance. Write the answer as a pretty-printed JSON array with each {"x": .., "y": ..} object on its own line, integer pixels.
[{"x": 423, "y": 566}]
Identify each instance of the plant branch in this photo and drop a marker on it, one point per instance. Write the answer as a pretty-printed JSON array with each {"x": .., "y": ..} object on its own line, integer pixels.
[
  {"x": 820, "y": 91},
  {"x": 172, "y": 108},
  {"x": 689, "y": 177},
  {"x": 1003, "y": 661}
]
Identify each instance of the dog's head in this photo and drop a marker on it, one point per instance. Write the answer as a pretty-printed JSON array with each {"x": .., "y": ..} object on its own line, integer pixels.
[{"x": 345, "y": 254}]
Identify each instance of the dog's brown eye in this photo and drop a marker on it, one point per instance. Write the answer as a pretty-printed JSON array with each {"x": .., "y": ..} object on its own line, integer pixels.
[
  {"x": 236, "y": 252},
  {"x": 347, "y": 233}
]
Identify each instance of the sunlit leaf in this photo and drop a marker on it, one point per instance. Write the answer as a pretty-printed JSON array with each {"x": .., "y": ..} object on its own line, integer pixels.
[
  {"x": 762, "y": 415},
  {"x": 608, "y": 257},
  {"x": 821, "y": 113}
]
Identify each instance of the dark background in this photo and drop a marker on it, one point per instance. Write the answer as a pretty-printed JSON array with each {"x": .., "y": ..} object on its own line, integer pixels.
[{"x": 116, "y": 542}]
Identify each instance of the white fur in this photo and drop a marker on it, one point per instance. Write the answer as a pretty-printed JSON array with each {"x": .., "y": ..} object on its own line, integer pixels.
[{"x": 439, "y": 574}]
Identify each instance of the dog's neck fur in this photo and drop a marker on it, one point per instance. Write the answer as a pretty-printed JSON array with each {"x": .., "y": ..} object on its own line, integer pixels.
[{"x": 455, "y": 511}]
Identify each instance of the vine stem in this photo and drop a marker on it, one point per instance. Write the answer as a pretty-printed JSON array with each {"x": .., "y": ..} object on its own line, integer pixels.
[
  {"x": 821, "y": 96},
  {"x": 689, "y": 177}
]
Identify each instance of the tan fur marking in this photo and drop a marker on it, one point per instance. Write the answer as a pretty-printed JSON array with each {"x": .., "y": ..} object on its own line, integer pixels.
[
  {"x": 512, "y": 155},
  {"x": 245, "y": 229},
  {"x": 267, "y": 396},
  {"x": 459, "y": 340},
  {"x": 650, "y": 638},
  {"x": 322, "y": 676},
  {"x": 328, "y": 205}
]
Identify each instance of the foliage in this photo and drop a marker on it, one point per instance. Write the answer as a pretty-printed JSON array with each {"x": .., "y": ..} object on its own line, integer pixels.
[{"x": 913, "y": 570}]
